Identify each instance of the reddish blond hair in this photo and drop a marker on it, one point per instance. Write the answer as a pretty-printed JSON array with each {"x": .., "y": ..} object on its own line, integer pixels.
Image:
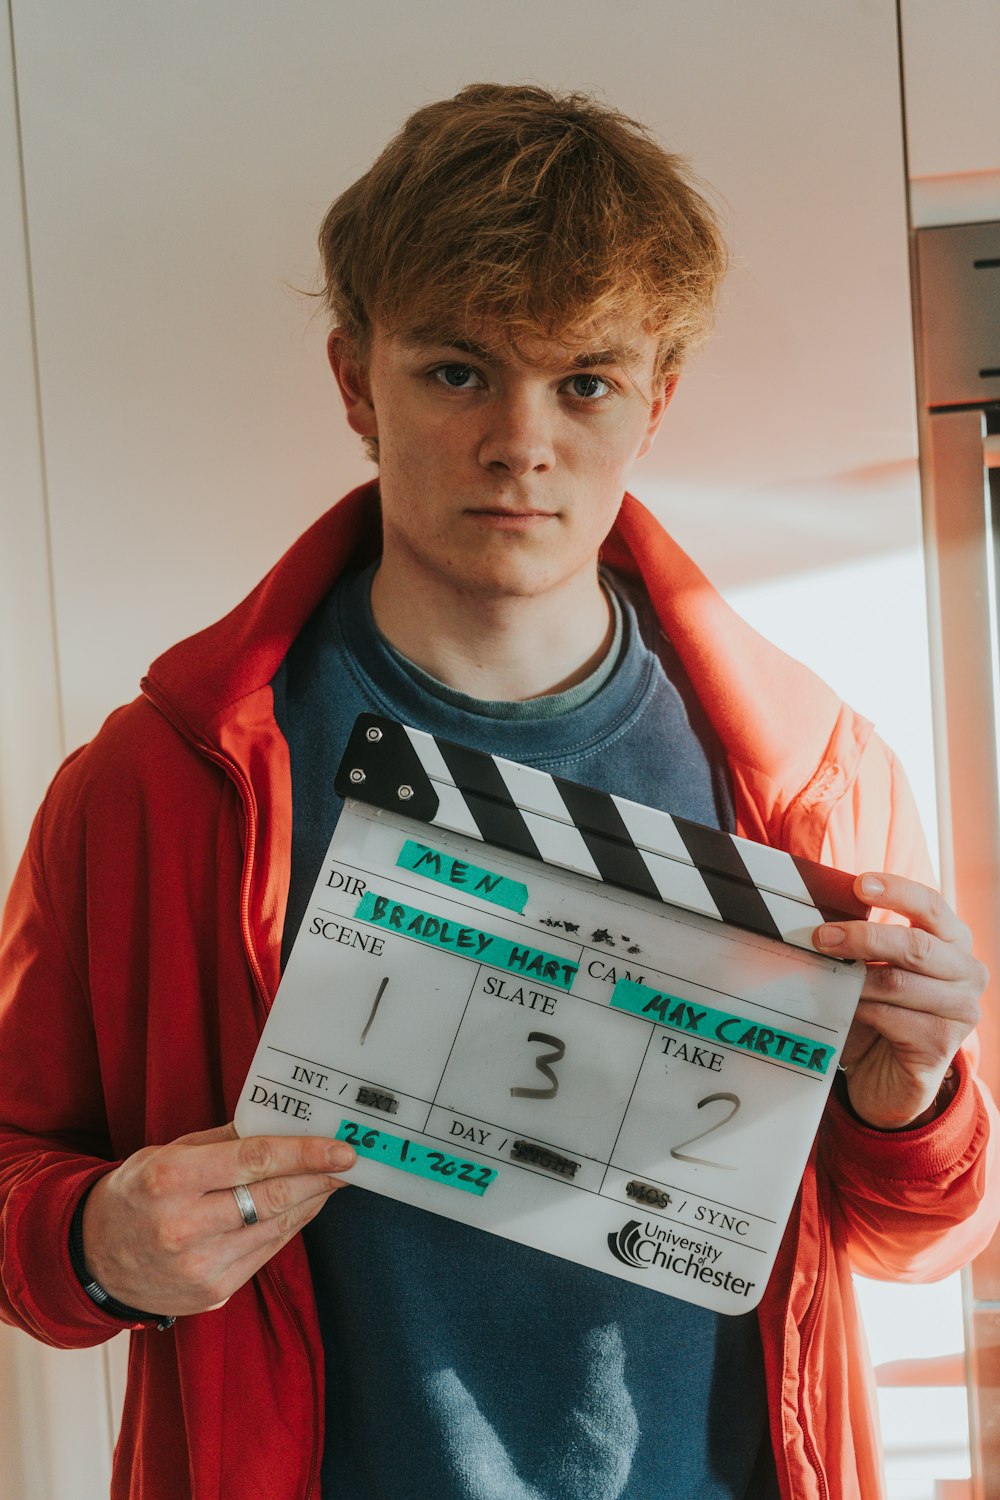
[{"x": 510, "y": 212}]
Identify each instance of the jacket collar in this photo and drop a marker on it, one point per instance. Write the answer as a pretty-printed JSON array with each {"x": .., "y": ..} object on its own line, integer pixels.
[{"x": 773, "y": 715}]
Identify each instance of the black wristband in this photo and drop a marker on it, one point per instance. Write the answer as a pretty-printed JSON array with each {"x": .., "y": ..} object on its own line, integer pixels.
[{"x": 97, "y": 1294}]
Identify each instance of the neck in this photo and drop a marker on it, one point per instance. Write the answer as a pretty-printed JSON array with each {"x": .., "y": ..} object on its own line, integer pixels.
[{"x": 508, "y": 649}]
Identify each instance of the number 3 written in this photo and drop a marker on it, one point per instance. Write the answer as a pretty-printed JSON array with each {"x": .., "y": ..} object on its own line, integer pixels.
[{"x": 544, "y": 1066}]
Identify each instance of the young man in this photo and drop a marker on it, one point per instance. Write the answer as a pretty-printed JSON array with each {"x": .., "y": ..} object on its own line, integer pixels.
[{"x": 514, "y": 286}]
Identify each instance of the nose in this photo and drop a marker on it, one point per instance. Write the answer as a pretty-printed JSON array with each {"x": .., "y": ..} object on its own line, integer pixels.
[{"x": 518, "y": 437}]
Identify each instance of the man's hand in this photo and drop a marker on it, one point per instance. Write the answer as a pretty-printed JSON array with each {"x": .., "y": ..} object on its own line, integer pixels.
[
  {"x": 919, "y": 1002},
  {"x": 164, "y": 1233}
]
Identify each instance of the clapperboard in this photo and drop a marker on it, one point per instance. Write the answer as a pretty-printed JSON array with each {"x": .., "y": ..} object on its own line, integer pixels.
[{"x": 560, "y": 1016}]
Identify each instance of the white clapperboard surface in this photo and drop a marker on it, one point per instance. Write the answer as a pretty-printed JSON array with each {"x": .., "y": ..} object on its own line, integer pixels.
[{"x": 560, "y": 1016}]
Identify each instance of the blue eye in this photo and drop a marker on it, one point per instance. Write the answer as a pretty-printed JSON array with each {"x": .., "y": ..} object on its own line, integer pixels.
[
  {"x": 587, "y": 387},
  {"x": 457, "y": 377}
]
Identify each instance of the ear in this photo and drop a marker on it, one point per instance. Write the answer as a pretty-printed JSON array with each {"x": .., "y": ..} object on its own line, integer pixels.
[
  {"x": 656, "y": 411},
  {"x": 352, "y": 380}
]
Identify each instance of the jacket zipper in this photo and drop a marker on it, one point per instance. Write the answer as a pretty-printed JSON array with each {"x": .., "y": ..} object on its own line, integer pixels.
[
  {"x": 250, "y": 817},
  {"x": 235, "y": 774}
]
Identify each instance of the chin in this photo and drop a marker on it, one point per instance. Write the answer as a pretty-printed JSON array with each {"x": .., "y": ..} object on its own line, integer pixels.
[{"x": 502, "y": 582}]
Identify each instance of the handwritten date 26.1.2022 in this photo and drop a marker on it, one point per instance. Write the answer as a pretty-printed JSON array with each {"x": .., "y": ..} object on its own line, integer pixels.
[{"x": 411, "y": 1156}]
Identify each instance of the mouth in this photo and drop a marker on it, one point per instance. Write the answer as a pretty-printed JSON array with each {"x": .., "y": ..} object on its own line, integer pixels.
[{"x": 505, "y": 519}]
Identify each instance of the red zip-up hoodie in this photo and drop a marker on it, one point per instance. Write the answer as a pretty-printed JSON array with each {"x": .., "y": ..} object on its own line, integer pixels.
[{"x": 140, "y": 953}]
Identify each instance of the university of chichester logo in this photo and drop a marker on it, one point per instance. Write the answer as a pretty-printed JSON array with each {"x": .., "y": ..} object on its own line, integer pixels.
[{"x": 624, "y": 1245}]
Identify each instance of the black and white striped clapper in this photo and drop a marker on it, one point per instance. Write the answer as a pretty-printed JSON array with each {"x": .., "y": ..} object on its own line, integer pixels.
[{"x": 592, "y": 833}]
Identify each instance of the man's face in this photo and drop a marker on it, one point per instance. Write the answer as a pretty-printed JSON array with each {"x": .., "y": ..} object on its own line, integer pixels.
[{"x": 502, "y": 475}]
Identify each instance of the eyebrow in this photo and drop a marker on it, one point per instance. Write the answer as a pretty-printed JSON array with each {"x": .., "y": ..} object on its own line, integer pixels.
[
  {"x": 464, "y": 346},
  {"x": 617, "y": 355},
  {"x": 623, "y": 355}
]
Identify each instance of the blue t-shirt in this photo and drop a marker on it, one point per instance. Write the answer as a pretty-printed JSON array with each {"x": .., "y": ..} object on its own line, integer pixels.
[{"x": 461, "y": 1366}]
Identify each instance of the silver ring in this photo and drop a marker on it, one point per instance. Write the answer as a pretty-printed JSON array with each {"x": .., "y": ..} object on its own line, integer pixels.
[{"x": 245, "y": 1204}]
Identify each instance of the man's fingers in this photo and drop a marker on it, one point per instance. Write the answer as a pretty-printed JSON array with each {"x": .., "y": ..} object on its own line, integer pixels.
[
  {"x": 267, "y": 1236},
  {"x": 921, "y": 905},
  {"x": 920, "y": 997},
  {"x": 904, "y": 991},
  {"x": 246, "y": 1249},
  {"x": 195, "y": 1270},
  {"x": 258, "y": 1157},
  {"x": 935, "y": 943},
  {"x": 272, "y": 1198},
  {"x": 187, "y": 1166},
  {"x": 263, "y": 1241},
  {"x": 911, "y": 948},
  {"x": 924, "y": 1037}
]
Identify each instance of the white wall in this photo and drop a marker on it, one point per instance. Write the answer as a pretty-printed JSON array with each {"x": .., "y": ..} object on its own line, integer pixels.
[{"x": 30, "y": 710}]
